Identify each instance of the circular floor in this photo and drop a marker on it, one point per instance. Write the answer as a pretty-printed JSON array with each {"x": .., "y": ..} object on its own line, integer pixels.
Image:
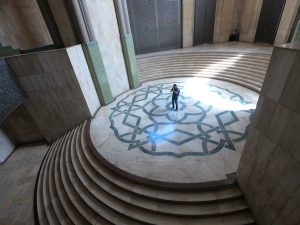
[{"x": 200, "y": 142}]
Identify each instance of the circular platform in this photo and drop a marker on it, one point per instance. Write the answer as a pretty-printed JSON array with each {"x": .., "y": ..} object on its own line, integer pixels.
[{"x": 200, "y": 142}]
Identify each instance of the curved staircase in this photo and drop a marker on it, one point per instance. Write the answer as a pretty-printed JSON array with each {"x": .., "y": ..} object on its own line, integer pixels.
[
  {"x": 245, "y": 69},
  {"x": 75, "y": 187}
]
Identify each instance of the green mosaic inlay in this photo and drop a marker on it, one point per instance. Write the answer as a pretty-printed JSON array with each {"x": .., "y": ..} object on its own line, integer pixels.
[
  {"x": 130, "y": 60},
  {"x": 296, "y": 37},
  {"x": 8, "y": 51},
  {"x": 94, "y": 60}
]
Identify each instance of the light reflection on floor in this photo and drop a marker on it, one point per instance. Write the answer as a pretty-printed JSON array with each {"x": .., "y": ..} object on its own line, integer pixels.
[
  {"x": 201, "y": 141},
  {"x": 198, "y": 89}
]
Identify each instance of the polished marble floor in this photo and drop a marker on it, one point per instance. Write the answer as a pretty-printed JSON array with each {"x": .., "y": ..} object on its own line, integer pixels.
[
  {"x": 200, "y": 142},
  {"x": 17, "y": 183}
]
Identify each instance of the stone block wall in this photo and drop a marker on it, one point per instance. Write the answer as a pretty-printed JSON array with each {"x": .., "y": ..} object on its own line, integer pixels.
[
  {"x": 269, "y": 169},
  {"x": 59, "y": 87}
]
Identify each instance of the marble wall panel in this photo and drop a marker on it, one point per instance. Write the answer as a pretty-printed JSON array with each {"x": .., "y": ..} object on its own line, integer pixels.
[
  {"x": 104, "y": 22},
  {"x": 287, "y": 20},
  {"x": 268, "y": 172},
  {"x": 249, "y": 19},
  {"x": 227, "y": 18},
  {"x": 6, "y": 146},
  {"x": 290, "y": 94},
  {"x": 22, "y": 24},
  {"x": 82, "y": 73},
  {"x": 64, "y": 24},
  {"x": 188, "y": 8},
  {"x": 56, "y": 84},
  {"x": 280, "y": 65},
  {"x": 20, "y": 127}
]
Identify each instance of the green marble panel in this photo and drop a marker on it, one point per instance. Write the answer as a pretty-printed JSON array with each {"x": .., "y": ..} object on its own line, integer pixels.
[
  {"x": 296, "y": 36},
  {"x": 130, "y": 61},
  {"x": 97, "y": 70}
]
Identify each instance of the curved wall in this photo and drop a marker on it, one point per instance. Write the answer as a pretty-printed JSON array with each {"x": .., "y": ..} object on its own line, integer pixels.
[{"x": 268, "y": 172}]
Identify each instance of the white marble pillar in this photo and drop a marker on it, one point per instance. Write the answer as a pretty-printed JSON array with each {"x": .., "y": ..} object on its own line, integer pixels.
[
  {"x": 249, "y": 19},
  {"x": 287, "y": 20},
  {"x": 127, "y": 43},
  {"x": 223, "y": 20},
  {"x": 188, "y": 8}
]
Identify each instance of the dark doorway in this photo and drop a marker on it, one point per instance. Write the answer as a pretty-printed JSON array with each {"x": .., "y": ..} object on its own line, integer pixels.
[
  {"x": 269, "y": 19},
  {"x": 204, "y": 21},
  {"x": 155, "y": 24}
]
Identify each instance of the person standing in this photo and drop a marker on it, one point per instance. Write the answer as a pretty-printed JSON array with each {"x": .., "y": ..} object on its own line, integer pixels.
[
  {"x": 235, "y": 36},
  {"x": 175, "y": 93}
]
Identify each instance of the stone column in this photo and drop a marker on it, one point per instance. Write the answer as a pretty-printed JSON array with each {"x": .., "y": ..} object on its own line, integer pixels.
[
  {"x": 50, "y": 22},
  {"x": 91, "y": 50},
  {"x": 287, "y": 20},
  {"x": 188, "y": 12},
  {"x": 249, "y": 19},
  {"x": 223, "y": 20},
  {"x": 268, "y": 172},
  {"x": 127, "y": 43}
]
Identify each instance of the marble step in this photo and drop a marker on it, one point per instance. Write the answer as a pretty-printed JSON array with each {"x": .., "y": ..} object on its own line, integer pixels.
[
  {"x": 228, "y": 76},
  {"x": 204, "y": 69},
  {"x": 255, "y": 88},
  {"x": 77, "y": 216},
  {"x": 96, "y": 198},
  {"x": 80, "y": 208},
  {"x": 152, "y": 192},
  {"x": 93, "y": 206},
  {"x": 203, "y": 64},
  {"x": 251, "y": 63},
  {"x": 211, "y": 73},
  {"x": 70, "y": 195},
  {"x": 249, "y": 76},
  {"x": 206, "y": 54},
  {"x": 94, "y": 188},
  {"x": 250, "y": 66},
  {"x": 59, "y": 204},
  {"x": 49, "y": 207},
  {"x": 89, "y": 176},
  {"x": 206, "y": 60},
  {"x": 41, "y": 211}
]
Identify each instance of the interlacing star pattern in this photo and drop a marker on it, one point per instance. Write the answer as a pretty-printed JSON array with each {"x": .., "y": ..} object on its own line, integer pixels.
[{"x": 144, "y": 120}]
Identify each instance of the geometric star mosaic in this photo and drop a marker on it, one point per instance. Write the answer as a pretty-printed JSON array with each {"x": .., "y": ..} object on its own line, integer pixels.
[{"x": 144, "y": 120}]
